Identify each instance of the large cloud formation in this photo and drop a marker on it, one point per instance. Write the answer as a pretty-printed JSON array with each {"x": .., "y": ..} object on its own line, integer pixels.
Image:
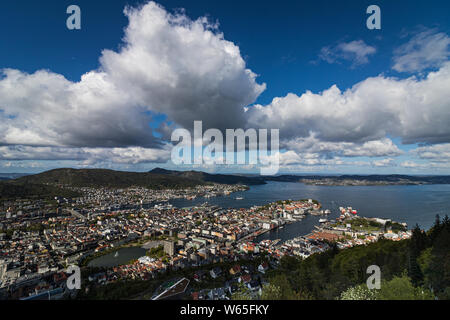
[
  {"x": 417, "y": 110},
  {"x": 129, "y": 155},
  {"x": 357, "y": 122},
  {"x": 45, "y": 109},
  {"x": 167, "y": 64},
  {"x": 182, "y": 68}
]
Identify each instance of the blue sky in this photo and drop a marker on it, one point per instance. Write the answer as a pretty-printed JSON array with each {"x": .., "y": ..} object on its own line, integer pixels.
[
  {"x": 278, "y": 42},
  {"x": 291, "y": 46}
]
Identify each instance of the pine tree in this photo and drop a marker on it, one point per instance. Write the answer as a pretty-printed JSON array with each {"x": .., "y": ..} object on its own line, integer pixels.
[
  {"x": 414, "y": 271},
  {"x": 419, "y": 242},
  {"x": 436, "y": 229},
  {"x": 438, "y": 272}
]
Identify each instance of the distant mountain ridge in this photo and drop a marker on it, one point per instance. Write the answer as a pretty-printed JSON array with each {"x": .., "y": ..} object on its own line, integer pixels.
[
  {"x": 394, "y": 179},
  {"x": 9, "y": 176},
  {"x": 208, "y": 177},
  {"x": 159, "y": 178},
  {"x": 107, "y": 178},
  {"x": 155, "y": 179}
]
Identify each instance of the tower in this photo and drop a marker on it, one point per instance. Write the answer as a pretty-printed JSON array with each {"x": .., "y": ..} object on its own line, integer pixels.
[{"x": 169, "y": 247}]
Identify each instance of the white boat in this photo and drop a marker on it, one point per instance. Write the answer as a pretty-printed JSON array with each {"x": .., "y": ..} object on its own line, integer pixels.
[
  {"x": 239, "y": 198},
  {"x": 323, "y": 220},
  {"x": 116, "y": 254}
]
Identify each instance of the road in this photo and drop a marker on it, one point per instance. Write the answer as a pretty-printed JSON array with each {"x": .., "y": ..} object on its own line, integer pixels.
[{"x": 76, "y": 214}]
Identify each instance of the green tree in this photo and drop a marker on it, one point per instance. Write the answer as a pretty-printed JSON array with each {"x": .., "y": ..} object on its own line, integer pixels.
[
  {"x": 360, "y": 292},
  {"x": 271, "y": 292},
  {"x": 438, "y": 272},
  {"x": 279, "y": 288},
  {"x": 401, "y": 288},
  {"x": 419, "y": 242},
  {"x": 424, "y": 261},
  {"x": 243, "y": 293}
]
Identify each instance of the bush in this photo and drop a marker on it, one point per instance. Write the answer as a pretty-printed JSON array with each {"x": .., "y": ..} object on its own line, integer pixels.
[{"x": 360, "y": 292}]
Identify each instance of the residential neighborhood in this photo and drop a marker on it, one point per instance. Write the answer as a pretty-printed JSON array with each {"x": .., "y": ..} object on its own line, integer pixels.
[{"x": 41, "y": 238}]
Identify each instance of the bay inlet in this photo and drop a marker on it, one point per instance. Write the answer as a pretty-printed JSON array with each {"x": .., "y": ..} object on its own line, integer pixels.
[{"x": 413, "y": 204}]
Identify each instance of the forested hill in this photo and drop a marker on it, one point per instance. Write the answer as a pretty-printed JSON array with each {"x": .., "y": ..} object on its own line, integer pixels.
[
  {"x": 208, "y": 177},
  {"x": 162, "y": 178},
  {"x": 12, "y": 190},
  {"x": 155, "y": 179},
  {"x": 108, "y": 178}
]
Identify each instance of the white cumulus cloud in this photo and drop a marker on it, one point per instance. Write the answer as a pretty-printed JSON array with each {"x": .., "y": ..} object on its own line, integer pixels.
[
  {"x": 167, "y": 64},
  {"x": 416, "y": 110},
  {"x": 426, "y": 49},
  {"x": 357, "y": 52}
]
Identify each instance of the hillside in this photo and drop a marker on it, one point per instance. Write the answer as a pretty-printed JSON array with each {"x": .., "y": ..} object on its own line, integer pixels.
[
  {"x": 169, "y": 179},
  {"x": 207, "y": 177},
  {"x": 14, "y": 190},
  {"x": 108, "y": 178},
  {"x": 155, "y": 179}
]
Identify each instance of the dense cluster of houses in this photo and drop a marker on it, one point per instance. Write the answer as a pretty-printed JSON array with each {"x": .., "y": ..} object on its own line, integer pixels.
[{"x": 39, "y": 239}]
